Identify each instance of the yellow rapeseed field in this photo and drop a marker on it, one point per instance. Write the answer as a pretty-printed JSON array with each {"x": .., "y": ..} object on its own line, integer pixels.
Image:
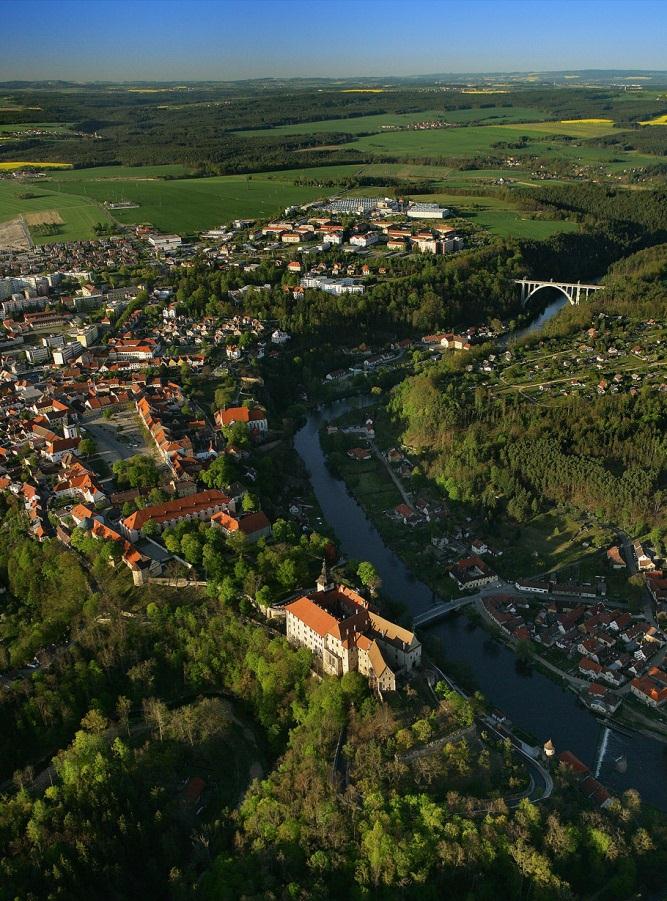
[
  {"x": 362, "y": 91},
  {"x": 659, "y": 120},
  {"x": 33, "y": 165},
  {"x": 586, "y": 121}
]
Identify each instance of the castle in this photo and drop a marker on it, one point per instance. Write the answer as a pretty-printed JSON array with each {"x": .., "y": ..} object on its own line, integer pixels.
[{"x": 343, "y": 630}]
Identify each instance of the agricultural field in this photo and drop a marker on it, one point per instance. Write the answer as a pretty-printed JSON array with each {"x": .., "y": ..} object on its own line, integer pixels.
[
  {"x": 174, "y": 203},
  {"x": 387, "y": 121},
  {"x": 11, "y": 166},
  {"x": 573, "y": 128},
  {"x": 137, "y": 173},
  {"x": 34, "y": 126},
  {"x": 473, "y": 140},
  {"x": 186, "y": 205},
  {"x": 189, "y": 205},
  {"x": 78, "y": 214}
]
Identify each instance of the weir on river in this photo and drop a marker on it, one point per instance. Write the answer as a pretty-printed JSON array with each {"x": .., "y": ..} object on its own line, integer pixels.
[{"x": 532, "y": 702}]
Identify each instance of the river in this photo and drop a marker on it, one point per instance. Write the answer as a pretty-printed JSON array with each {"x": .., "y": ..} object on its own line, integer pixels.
[{"x": 532, "y": 701}]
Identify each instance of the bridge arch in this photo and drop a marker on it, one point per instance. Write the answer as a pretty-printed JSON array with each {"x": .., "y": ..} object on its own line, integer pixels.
[
  {"x": 573, "y": 291},
  {"x": 533, "y": 292}
]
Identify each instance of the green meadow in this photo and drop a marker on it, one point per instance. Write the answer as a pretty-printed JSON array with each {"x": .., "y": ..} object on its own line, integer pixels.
[
  {"x": 79, "y": 214},
  {"x": 387, "y": 121},
  {"x": 474, "y": 139},
  {"x": 183, "y": 205}
]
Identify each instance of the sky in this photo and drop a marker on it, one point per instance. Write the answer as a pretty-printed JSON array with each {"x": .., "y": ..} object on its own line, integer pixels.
[{"x": 171, "y": 40}]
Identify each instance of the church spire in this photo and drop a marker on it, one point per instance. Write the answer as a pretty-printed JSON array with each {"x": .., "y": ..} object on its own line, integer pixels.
[{"x": 325, "y": 582}]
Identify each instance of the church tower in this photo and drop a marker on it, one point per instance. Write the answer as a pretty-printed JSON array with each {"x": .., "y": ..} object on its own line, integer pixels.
[
  {"x": 325, "y": 582},
  {"x": 70, "y": 429}
]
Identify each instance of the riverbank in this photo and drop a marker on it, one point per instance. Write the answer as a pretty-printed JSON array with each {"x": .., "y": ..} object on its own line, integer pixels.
[
  {"x": 530, "y": 699},
  {"x": 380, "y": 492}
]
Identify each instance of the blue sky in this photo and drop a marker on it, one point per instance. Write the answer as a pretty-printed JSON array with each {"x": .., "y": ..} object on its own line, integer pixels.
[{"x": 225, "y": 39}]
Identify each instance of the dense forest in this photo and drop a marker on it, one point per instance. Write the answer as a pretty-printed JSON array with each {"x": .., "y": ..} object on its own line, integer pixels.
[
  {"x": 416, "y": 293},
  {"x": 511, "y": 456},
  {"x": 189, "y": 684}
]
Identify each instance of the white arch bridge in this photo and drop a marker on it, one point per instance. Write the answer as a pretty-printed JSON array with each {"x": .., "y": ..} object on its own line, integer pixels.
[{"x": 574, "y": 291}]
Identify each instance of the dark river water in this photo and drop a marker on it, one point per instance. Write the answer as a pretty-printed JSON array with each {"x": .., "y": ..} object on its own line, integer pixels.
[
  {"x": 530, "y": 700},
  {"x": 540, "y": 320}
]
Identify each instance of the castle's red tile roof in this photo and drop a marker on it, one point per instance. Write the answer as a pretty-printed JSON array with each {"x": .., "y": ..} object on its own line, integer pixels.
[{"x": 178, "y": 508}]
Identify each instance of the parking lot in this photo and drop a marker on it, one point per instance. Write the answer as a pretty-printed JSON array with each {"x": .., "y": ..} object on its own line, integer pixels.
[{"x": 119, "y": 437}]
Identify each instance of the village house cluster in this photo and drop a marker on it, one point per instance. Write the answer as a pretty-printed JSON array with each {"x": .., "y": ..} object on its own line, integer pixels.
[
  {"x": 610, "y": 647},
  {"x": 612, "y": 357},
  {"x": 76, "y": 259}
]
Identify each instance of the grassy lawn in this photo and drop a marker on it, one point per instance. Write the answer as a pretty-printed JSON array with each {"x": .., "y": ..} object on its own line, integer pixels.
[
  {"x": 371, "y": 485},
  {"x": 499, "y": 216},
  {"x": 507, "y": 223}
]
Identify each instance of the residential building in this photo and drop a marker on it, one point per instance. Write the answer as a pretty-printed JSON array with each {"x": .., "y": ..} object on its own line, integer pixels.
[
  {"x": 331, "y": 285},
  {"x": 56, "y": 448},
  {"x": 644, "y": 561},
  {"x": 63, "y": 355},
  {"x": 651, "y": 689},
  {"x": 253, "y": 417},
  {"x": 365, "y": 239},
  {"x": 472, "y": 572},
  {"x": 615, "y": 557},
  {"x": 46, "y": 320},
  {"x": 253, "y": 525}
]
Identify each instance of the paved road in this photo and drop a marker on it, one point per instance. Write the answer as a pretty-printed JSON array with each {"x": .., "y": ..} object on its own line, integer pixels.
[
  {"x": 629, "y": 553},
  {"x": 500, "y": 587},
  {"x": 395, "y": 479},
  {"x": 648, "y": 608},
  {"x": 26, "y": 672},
  {"x": 542, "y": 784},
  {"x": 452, "y": 738}
]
